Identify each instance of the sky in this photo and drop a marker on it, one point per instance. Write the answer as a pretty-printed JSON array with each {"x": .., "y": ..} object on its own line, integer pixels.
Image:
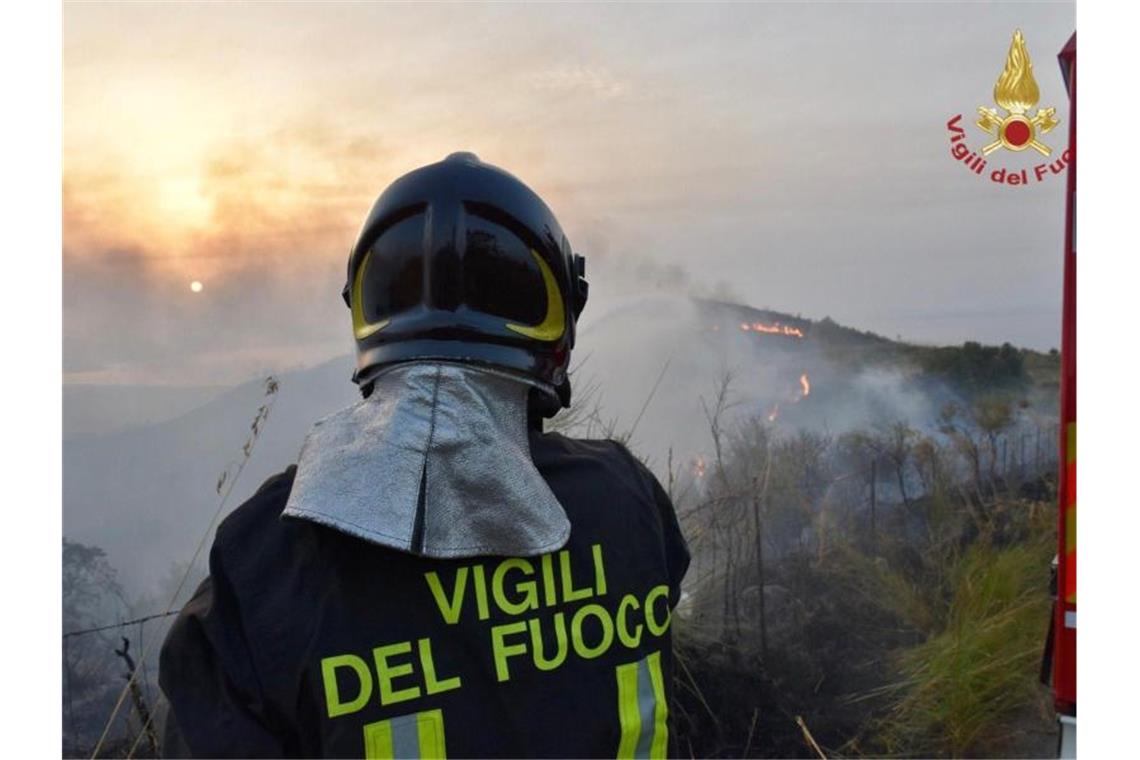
[{"x": 788, "y": 156}]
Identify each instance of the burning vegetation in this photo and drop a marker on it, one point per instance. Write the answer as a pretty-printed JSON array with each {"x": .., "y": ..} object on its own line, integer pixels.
[
  {"x": 882, "y": 591},
  {"x": 772, "y": 329},
  {"x": 802, "y": 391},
  {"x": 871, "y": 528},
  {"x": 870, "y": 555}
]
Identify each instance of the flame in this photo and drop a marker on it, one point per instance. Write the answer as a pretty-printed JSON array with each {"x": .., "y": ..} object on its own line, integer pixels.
[
  {"x": 800, "y": 394},
  {"x": 774, "y": 328},
  {"x": 804, "y": 390},
  {"x": 699, "y": 466},
  {"x": 1016, "y": 89}
]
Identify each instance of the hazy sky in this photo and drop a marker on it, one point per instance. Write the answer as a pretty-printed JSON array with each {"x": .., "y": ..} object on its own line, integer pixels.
[{"x": 788, "y": 156}]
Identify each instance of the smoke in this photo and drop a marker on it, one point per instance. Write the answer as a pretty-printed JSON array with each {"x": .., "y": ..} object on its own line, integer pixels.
[
  {"x": 263, "y": 219},
  {"x": 128, "y": 321},
  {"x": 692, "y": 346},
  {"x": 649, "y": 367}
]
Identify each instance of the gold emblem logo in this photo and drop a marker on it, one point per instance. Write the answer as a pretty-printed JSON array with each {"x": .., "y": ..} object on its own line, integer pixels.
[{"x": 1016, "y": 93}]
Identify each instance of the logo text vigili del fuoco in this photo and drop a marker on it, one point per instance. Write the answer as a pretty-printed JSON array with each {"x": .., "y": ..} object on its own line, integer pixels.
[{"x": 1015, "y": 126}]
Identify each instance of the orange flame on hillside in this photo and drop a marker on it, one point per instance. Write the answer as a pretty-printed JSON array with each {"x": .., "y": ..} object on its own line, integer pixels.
[
  {"x": 800, "y": 394},
  {"x": 774, "y": 328}
]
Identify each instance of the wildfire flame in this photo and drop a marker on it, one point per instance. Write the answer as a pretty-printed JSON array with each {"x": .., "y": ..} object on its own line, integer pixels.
[
  {"x": 772, "y": 329},
  {"x": 1016, "y": 89},
  {"x": 699, "y": 466},
  {"x": 801, "y": 393},
  {"x": 773, "y": 413}
]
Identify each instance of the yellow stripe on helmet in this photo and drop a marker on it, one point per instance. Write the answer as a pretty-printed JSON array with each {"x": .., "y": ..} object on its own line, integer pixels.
[
  {"x": 361, "y": 327},
  {"x": 554, "y": 324}
]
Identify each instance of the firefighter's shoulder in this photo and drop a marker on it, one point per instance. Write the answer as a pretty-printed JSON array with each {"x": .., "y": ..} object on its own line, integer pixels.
[
  {"x": 605, "y": 462},
  {"x": 256, "y": 522},
  {"x": 597, "y": 471}
]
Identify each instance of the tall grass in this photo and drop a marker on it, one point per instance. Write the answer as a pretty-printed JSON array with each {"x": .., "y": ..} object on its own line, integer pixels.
[
  {"x": 967, "y": 689},
  {"x": 887, "y": 588}
]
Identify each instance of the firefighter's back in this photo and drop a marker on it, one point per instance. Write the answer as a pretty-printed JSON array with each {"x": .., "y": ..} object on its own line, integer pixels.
[
  {"x": 335, "y": 646},
  {"x": 436, "y": 576}
]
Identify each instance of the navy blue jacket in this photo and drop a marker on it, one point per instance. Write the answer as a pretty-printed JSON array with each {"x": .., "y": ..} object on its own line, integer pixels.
[{"x": 306, "y": 642}]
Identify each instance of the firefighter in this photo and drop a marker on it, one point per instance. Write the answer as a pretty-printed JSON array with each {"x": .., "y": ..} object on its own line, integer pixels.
[{"x": 436, "y": 575}]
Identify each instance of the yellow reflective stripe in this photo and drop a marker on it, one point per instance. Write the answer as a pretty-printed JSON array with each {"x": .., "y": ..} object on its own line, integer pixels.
[
  {"x": 430, "y": 725},
  {"x": 660, "y": 708},
  {"x": 360, "y": 325},
  {"x": 378, "y": 741},
  {"x": 628, "y": 712},
  {"x": 643, "y": 711},
  {"x": 554, "y": 323},
  {"x": 419, "y": 735},
  {"x": 1071, "y": 442}
]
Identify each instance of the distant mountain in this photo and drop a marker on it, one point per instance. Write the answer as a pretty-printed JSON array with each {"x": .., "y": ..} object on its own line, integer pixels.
[
  {"x": 90, "y": 409},
  {"x": 146, "y": 493}
]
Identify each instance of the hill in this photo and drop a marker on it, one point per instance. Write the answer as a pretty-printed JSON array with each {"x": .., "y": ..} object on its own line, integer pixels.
[
  {"x": 95, "y": 409},
  {"x": 647, "y": 368}
]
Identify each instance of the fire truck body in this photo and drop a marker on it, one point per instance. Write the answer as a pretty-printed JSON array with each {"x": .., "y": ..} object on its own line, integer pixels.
[{"x": 1064, "y": 635}]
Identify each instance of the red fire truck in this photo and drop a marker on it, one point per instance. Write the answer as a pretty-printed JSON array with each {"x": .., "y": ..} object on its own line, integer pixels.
[{"x": 1062, "y": 650}]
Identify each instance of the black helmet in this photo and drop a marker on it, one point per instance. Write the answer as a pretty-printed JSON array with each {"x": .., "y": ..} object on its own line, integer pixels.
[{"x": 460, "y": 261}]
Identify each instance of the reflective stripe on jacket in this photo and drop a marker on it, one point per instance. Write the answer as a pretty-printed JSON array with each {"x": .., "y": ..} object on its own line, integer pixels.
[{"x": 308, "y": 642}]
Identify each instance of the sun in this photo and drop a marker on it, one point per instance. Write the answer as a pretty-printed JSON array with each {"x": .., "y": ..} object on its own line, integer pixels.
[{"x": 196, "y": 286}]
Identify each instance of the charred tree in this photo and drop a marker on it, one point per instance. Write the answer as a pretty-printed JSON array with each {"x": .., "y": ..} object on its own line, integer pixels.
[
  {"x": 137, "y": 697},
  {"x": 757, "y": 531}
]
